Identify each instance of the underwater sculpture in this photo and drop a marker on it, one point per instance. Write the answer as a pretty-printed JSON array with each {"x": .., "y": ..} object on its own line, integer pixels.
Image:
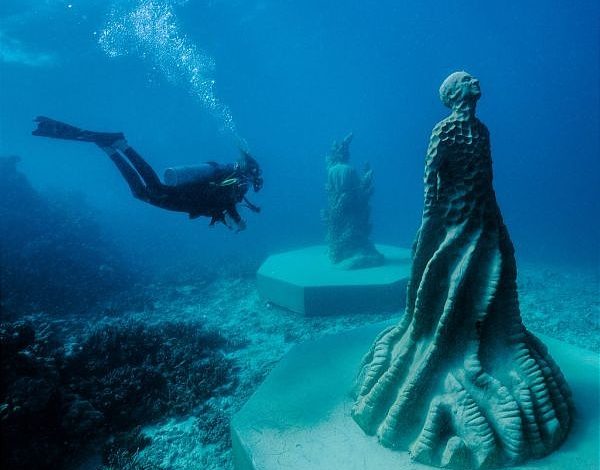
[
  {"x": 348, "y": 214},
  {"x": 460, "y": 382},
  {"x": 329, "y": 280}
]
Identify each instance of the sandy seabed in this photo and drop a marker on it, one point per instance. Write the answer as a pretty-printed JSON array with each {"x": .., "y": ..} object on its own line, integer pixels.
[
  {"x": 558, "y": 302},
  {"x": 564, "y": 304}
]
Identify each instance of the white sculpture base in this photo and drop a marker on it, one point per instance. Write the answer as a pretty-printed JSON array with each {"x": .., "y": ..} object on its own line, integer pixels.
[
  {"x": 299, "y": 418},
  {"x": 305, "y": 281}
]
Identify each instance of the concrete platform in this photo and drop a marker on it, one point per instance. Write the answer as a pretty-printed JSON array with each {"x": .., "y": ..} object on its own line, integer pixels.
[
  {"x": 306, "y": 282},
  {"x": 299, "y": 418}
]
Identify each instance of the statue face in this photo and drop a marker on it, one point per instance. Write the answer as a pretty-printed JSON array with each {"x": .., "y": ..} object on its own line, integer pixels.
[
  {"x": 459, "y": 87},
  {"x": 469, "y": 86}
]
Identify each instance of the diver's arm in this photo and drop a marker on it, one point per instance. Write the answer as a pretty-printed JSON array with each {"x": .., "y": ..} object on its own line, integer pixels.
[
  {"x": 251, "y": 206},
  {"x": 236, "y": 217}
]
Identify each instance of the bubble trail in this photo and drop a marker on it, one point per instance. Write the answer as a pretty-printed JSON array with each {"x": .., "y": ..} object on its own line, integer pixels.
[{"x": 151, "y": 32}]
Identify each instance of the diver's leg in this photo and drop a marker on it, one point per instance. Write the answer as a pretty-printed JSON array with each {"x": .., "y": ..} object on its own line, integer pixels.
[
  {"x": 137, "y": 186},
  {"x": 143, "y": 168}
]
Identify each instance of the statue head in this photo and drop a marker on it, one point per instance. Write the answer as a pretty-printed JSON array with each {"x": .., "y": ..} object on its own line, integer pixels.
[
  {"x": 458, "y": 88},
  {"x": 340, "y": 151}
]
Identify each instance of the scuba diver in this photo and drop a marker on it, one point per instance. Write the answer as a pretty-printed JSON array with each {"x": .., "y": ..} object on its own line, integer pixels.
[{"x": 209, "y": 189}]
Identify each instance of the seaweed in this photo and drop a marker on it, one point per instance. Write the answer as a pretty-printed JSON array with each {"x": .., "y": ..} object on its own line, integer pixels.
[
  {"x": 115, "y": 379},
  {"x": 214, "y": 424},
  {"x": 121, "y": 451}
]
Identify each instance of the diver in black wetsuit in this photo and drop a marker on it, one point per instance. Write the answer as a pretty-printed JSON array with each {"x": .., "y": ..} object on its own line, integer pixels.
[{"x": 209, "y": 189}]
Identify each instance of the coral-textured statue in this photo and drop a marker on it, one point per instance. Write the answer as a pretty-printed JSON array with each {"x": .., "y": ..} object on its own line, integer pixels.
[
  {"x": 348, "y": 224},
  {"x": 460, "y": 382}
]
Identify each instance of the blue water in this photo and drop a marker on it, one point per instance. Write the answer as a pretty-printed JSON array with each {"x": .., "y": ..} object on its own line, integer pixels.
[
  {"x": 135, "y": 315},
  {"x": 189, "y": 81}
]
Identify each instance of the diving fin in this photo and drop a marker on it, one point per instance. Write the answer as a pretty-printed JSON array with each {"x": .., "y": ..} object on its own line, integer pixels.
[{"x": 47, "y": 127}]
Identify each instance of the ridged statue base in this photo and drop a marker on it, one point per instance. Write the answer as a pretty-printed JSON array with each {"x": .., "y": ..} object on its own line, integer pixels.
[{"x": 299, "y": 418}]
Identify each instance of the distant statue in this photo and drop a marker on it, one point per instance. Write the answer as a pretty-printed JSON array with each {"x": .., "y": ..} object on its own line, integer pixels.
[
  {"x": 348, "y": 214},
  {"x": 460, "y": 382}
]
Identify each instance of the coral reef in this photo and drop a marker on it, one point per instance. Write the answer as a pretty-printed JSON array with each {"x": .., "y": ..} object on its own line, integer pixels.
[
  {"x": 348, "y": 213},
  {"x": 33, "y": 405},
  {"x": 115, "y": 378},
  {"x": 460, "y": 382},
  {"x": 121, "y": 451},
  {"x": 134, "y": 372},
  {"x": 54, "y": 256}
]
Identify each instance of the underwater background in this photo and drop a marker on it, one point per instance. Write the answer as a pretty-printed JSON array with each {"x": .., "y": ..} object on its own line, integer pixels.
[{"x": 87, "y": 268}]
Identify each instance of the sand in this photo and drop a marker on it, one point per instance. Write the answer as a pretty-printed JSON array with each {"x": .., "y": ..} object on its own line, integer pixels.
[{"x": 558, "y": 302}]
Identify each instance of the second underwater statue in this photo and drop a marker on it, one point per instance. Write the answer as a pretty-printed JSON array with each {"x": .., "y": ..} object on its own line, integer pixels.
[{"x": 348, "y": 213}]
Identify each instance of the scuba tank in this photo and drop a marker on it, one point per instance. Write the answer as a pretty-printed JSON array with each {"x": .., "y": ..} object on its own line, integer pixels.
[{"x": 182, "y": 175}]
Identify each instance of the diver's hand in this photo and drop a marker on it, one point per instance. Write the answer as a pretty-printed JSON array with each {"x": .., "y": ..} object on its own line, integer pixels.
[
  {"x": 251, "y": 206},
  {"x": 241, "y": 226}
]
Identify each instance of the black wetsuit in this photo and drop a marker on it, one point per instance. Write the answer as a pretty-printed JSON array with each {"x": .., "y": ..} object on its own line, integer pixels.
[{"x": 212, "y": 197}]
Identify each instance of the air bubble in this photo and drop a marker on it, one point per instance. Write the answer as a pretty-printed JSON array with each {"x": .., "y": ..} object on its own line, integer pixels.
[{"x": 150, "y": 31}]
